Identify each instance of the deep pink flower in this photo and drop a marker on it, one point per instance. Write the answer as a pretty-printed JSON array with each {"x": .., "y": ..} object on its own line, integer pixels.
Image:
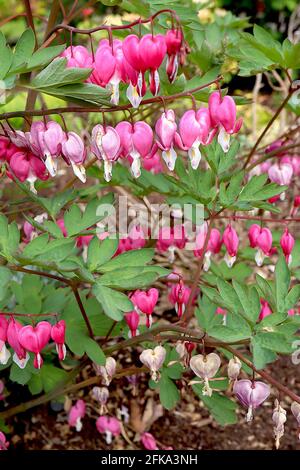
[
  {"x": 132, "y": 319},
  {"x": 27, "y": 167},
  {"x": 194, "y": 129},
  {"x": 287, "y": 243},
  {"x": 153, "y": 50},
  {"x": 223, "y": 116},
  {"x": 179, "y": 296},
  {"x": 34, "y": 339},
  {"x": 76, "y": 413},
  {"x": 110, "y": 426},
  {"x": 231, "y": 242},
  {"x": 174, "y": 40},
  {"x": 153, "y": 163},
  {"x": 145, "y": 301},
  {"x": 21, "y": 356},
  {"x": 136, "y": 142},
  {"x": 78, "y": 56},
  {"x": 148, "y": 441},
  {"x": 265, "y": 309},
  {"x": 260, "y": 238},
  {"x": 3, "y": 442},
  {"x": 58, "y": 332},
  {"x": 4, "y": 353},
  {"x": 170, "y": 238}
]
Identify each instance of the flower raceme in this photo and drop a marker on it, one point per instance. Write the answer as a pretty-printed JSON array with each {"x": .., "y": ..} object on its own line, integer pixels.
[{"x": 23, "y": 339}]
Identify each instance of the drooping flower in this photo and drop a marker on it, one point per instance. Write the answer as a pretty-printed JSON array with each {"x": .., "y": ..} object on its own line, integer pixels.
[
  {"x": 110, "y": 426},
  {"x": 78, "y": 56},
  {"x": 170, "y": 238},
  {"x": 101, "y": 394},
  {"x": 108, "y": 371},
  {"x": 153, "y": 359},
  {"x": 148, "y": 441},
  {"x": 206, "y": 368},
  {"x": 45, "y": 140},
  {"x": 260, "y": 238},
  {"x": 74, "y": 151},
  {"x": 4, "y": 352},
  {"x": 295, "y": 408},
  {"x": 287, "y": 243},
  {"x": 223, "y": 116},
  {"x": 58, "y": 332},
  {"x": 132, "y": 319},
  {"x": 136, "y": 143},
  {"x": 136, "y": 76},
  {"x": 174, "y": 41},
  {"x": 194, "y": 129},
  {"x": 234, "y": 368},
  {"x": 34, "y": 339},
  {"x": 265, "y": 309},
  {"x": 27, "y": 167},
  {"x": 231, "y": 242},
  {"x": 281, "y": 173},
  {"x": 3, "y": 442},
  {"x": 145, "y": 301},
  {"x": 76, "y": 413},
  {"x": 165, "y": 129},
  {"x": 251, "y": 394},
  {"x": 106, "y": 146},
  {"x": 153, "y": 163},
  {"x": 179, "y": 296},
  {"x": 153, "y": 50},
  {"x": 213, "y": 246},
  {"x": 21, "y": 356},
  {"x": 279, "y": 419}
]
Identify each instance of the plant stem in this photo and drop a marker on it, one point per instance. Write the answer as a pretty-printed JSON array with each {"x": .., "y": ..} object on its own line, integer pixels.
[
  {"x": 40, "y": 273},
  {"x": 270, "y": 123},
  {"x": 77, "y": 109},
  {"x": 82, "y": 310}
]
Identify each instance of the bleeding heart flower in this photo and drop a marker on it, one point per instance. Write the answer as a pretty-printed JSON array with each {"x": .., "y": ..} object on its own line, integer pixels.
[
  {"x": 174, "y": 41},
  {"x": 21, "y": 356},
  {"x": 154, "y": 359},
  {"x": 78, "y": 56},
  {"x": 281, "y": 173},
  {"x": 106, "y": 146},
  {"x": 170, "y": 238},
  {"x": 194, "y": 129},
  {"x": 75, "y": 153},
  {"x": 234, "y": 368},
  {"x": 287, "y": 243},
  {"x": 3, "y": 442},
  {"x": 27, "y": 167},
  {"x": 34, "y": 339},
  {"x": 108, "y": 371},
  {"x": 165, "y": 129},
  {"x": 206, "y": 368},
  {"x": 58, "y": 332},
  {"x": 77, "y": 412},
  {"x": 223, "y": 116},
  {"x": 145, "y": 301},
  {"x": 231, "y": 242},
  {"x": 101, "y": 394},
  {"x": 260, "y": 238},
  {"x": 153, "y": 49},
  {"x": 136, "y": 142},
  {"x": 265, "y": 309},
  {"x": 179, "y": 296},
  {"x": 4, "y": 352},
  {"x": 148, "y": 441},
  {"x": 110, "y": 426},
  {"x": 251, "y": 394},
  {"x": 132, "y": 319},
  {"x": 279, "y": 419},
  {"x": 295, "y": 408}
]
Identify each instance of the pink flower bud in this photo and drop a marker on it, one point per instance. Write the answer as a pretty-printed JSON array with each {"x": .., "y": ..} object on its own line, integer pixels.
[
  {"x": 109, "y": 426},
  {"x": 101, "y": 394},
  {"x": 132, "y": 319},
  {"x": 287, "y": 243},
  {"x": 251, "y": 394},
  {"x": 279, "y": 419},
  {"x": 234, "y": 368},
  {"x": 231, "y": 242},
  {"x": 206, "y": 368},
  {"x": 281, "y": 174},
  {"x": 58, "y": 332},
  {"x": 3, "y": 442},
  {"x": 148, "y": 441},
  {"x": 77, "y": 412},
  {"x": 166, "y": 129},
  {"x": 179, "y": 296},
  {"x": 78, "y": 56},
  {"x": 4, "y": 353},
  {"x": 34, "y": 339},
  {"x": 153, "y": 359},
  {"x": 265, "y": 309}
]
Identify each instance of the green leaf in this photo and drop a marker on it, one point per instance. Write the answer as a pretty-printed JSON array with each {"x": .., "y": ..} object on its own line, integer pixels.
[
  {"x": 168, "y": 392},
  {"x": 132, "y": 277},
  {"x": 99, "y": 252},
  {"x": 133, "y": 258},
  {"x": 114, "y": 303},
  {"x": 76, "y": 221},
  {"x": 94, "y": 351},
  {"x": 20, "y": 376},
  {"x": 282, "y": 283},
  {"x": 36, "y": 246},
  {"x": 220, "y": 407},
  {"x": 261, "y": 356},
  {"x": 249, "y": 301},
  {"x": 6, "y": 61},
  {"x": 292, "y": 298},
  {"x": 48, "y": 378},
  {"x": 5, "y": 277},
  {"x": 24, "y": 49},
  {"x": 80, "y": 93},
  {"x": 57, "y": 74},
  {"x": 274, "y": 341},
  {"x": 43, "y": 56}
]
